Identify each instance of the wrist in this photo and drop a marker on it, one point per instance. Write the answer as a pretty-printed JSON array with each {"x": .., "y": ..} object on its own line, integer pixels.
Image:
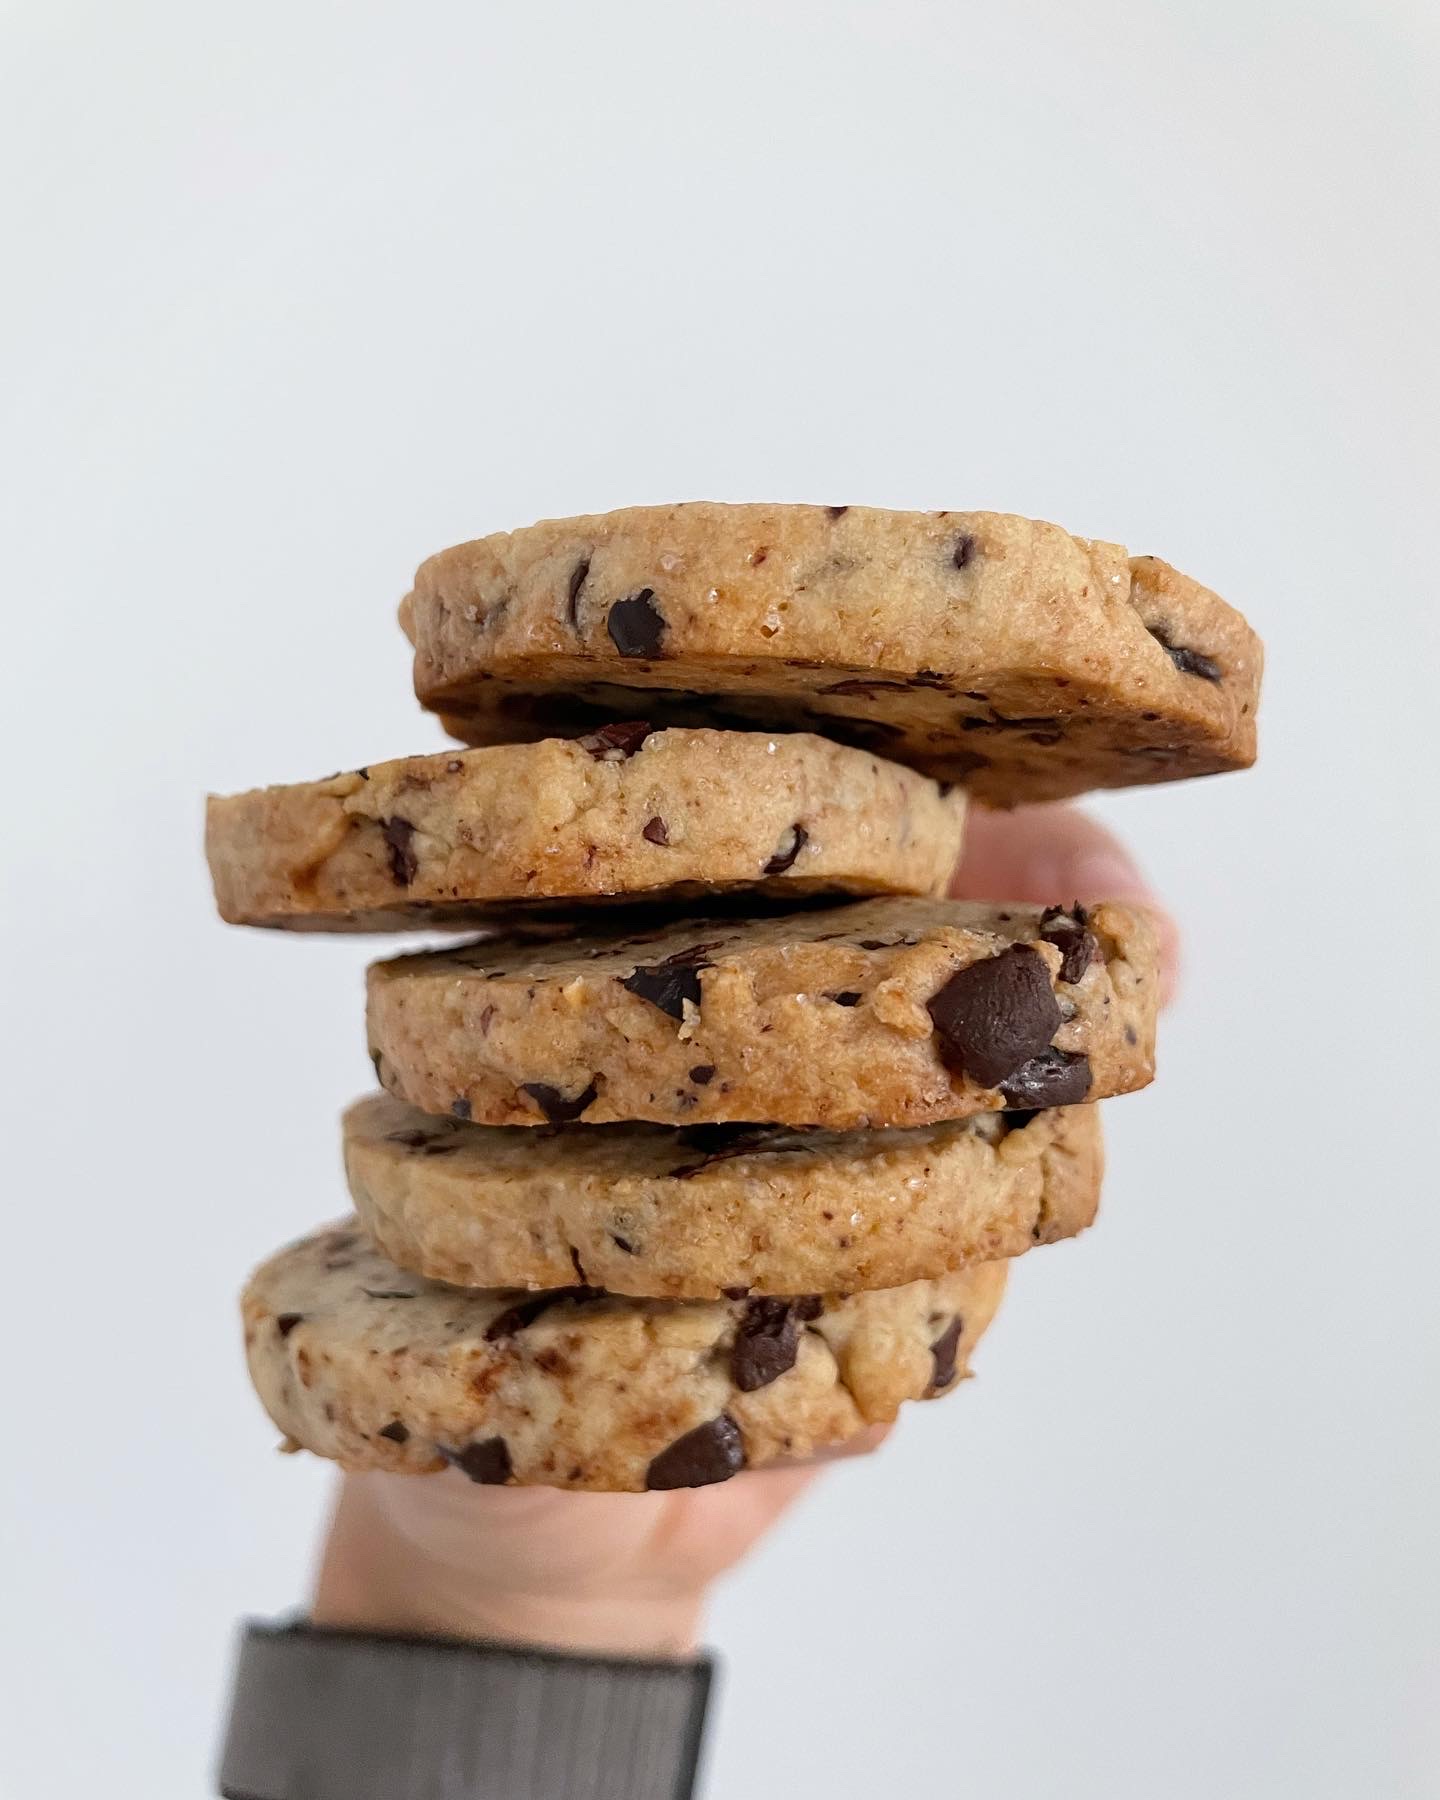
[{"x": 378, "y": 1573}]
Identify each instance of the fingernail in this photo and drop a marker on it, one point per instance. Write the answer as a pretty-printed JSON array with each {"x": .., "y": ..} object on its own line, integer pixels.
[{"x": 1103, "y": 875}]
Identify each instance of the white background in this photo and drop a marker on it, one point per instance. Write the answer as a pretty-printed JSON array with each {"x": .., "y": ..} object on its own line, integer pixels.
[{"x": 298, "y": 292}]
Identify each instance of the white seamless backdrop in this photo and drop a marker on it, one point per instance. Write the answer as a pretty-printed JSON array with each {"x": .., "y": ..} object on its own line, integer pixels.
[{"x": 299, "y": 292}]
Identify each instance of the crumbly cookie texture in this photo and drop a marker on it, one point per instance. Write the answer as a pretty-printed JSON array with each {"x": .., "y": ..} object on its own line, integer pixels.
[
  {"x": 623, "y": 812},
  {"x": 979, "y": 647},
  {"x": 645, "y": 1210},
  {"x": 885, "y": 1012},
  {"x": 377, "y": 1369}
]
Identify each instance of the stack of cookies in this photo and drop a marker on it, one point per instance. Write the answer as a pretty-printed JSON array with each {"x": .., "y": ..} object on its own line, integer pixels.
[{"x": 712, "y": 1148}]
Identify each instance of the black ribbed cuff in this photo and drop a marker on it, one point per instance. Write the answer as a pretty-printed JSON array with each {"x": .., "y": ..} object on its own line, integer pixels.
[{"x": 342, "y": 1715}]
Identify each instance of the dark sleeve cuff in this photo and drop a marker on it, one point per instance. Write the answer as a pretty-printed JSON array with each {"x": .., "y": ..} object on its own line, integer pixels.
[{"x": 340, "y": 1715}]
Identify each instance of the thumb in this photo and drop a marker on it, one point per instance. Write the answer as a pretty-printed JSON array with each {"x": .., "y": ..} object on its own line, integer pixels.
[{"x": 1053, "y": 855}]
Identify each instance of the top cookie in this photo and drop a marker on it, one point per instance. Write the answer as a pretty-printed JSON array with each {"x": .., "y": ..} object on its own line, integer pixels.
[{"x": 978, "y": 647}]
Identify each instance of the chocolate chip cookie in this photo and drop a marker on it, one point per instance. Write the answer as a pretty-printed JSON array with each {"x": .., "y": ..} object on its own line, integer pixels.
[
  {"x": 978, "y": 647},
  {"x": 645, "y": 1210},
  {"x": 885, "y": 1012},
  {"x": 358, "y": 1361},
  {"x": 624, "y": 812}
]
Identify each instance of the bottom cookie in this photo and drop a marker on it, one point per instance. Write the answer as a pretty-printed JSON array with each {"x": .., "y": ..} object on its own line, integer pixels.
[{"x": 358, "y": 1361}]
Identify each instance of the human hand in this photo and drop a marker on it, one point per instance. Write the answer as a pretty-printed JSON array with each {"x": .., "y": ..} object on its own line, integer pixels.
[{"x": 629, "y": 1573}]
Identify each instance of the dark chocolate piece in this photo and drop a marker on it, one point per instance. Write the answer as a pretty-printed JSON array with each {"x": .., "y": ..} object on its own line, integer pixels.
[
  {"x": 711, "y": 1452},
  {"x": 993, "y": 1016}
]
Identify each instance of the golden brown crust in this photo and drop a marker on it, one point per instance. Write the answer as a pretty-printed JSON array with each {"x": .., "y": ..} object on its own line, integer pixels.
[
  {"x": 643, "y": 1210},
  {"x": 450, "y": 838},
  {"x": 818, "y": 1018},
  {"x": 979, "y": 647},
  {"x": 357, "y": 1361}
]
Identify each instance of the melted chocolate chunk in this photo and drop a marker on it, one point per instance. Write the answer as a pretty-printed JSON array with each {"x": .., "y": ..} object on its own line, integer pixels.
[
  {"x": 1053, "y": 1078},
  {"x": 622, "y": 1244},
  {"x": 808, "y": 1306},
  {"x": 711, "y": 1452},
  {"x": 526, "y": 1312},
  {"x": 285, "y": 1323},
  {"x": 487, "y": 1462},
  {"x": 721, "y": 1143},
  {"x": 409, "y": 1140},
  {"x": 786, "y": 851},
  {"x": 399, "y": 834},
  {"x": 864, "y": 688},
  {"x": 656, "y": 831},
  {"x": 837, "y": 512},
  {"x": 613, "y": 743},
  {"x": 556, "y": 1108},
  {"x": 767, "y": 1341},
  {"x": 671, "y": 983},
  {"x": 736, "y": 1293},
  {"x": 964, "y": 552},
  {"x": 703, "y": 1074},
  {"x": 636, "y": 625},
  {"x": 572, "y": 592},
  {"x": 390, "y": 1293},
  {"x": 995, "y": 1015},
  {"x": 460, "y": 1106},
  {"x": 1070, "y": 934},
  {"x": 395, "y": 1431},
  {"x": 943, "y": 1352},
  {"x": 1188, "y": 662}
]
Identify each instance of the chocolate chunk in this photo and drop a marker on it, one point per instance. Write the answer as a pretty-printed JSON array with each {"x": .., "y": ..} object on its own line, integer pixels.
[
  {"x": 837, "y": 512},
  {"x": 965, "y": 548},
  {"x": 636, "y": 625},
  {"x": 1188, "y": 662},
  {"x": 460, "y": 1106},
  {"x": 927, "y": 678},
  {"x": 850, "y": 997},
  {"x": 808, "y": 1306},
  {"x": 720, "y": 1143},
  {"x": 395, "y": 1431},
  {"x": 556, "y": 1108},
  {"x": 613, "y": 743},
  {"x": 577, "y": 1266},
  {"x": 398, "y": 834},
  {"x": 526, "y": 1312},
  {"x": 516, "y": 1318},
  {"x": 1016, "y": 1118},
  {"x": 1053, "y": 1078},
  {"x": 410, "y": 1140},
  {"x": 736, "y": 1293},
  {"x": 1069, "y": 933},
  {"x": 943, "y": 1353},
  {"x": 656, "y": 831},
  {"x": 703, "y": 1074},
  {"x": 767, "y": 1341},
  {"x": 285, "y": 1323},
  {"x": 622, "y": 1244},
  {"x": 439, "y": 1149},
  {"x": 877, "y": 943},
  {"x": 390, "y": 1293},
  {"x": 487, "y": 1462},
  {"x": 671, "y": 983},
  {"x": 711, "y": 1452},
  {"x": 789, "y": 847},
  {"x": 993, "y": 1016},
  {"x": 572, "y": 594},
  {"x": 864, "y": 688}
]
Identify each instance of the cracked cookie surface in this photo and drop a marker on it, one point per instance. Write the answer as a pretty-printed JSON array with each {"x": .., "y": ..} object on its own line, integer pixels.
[
  {"x": 998, "y": 651},
  {"x": 358, "y": 1361},
  {"x": 645, "y": 1210},
  {"x": 625, "y": 812},
  {"x": 884, "y": 1012}
]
